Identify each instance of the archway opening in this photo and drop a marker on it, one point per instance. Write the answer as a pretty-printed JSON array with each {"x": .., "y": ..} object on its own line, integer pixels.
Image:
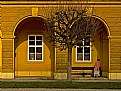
[
  {"x": 33, "y": 53},
  {"x": 85, "y": 57},
  {"x": 101, "y": 48}
]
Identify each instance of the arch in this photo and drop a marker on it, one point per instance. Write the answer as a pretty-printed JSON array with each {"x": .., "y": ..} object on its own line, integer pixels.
[
  {"x": 106, "y": 25},
  {"x": 27, "y": 18},
  {"x": 21, "y": 32},
  {"x": 102, "y": 22},
  {"x": 100, "y": 45}
]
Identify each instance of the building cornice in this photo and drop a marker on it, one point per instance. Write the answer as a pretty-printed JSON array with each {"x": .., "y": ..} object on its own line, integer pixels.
[{"x": 58, "y": 3}]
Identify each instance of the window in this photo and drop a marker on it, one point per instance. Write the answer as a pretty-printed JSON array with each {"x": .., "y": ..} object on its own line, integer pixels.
[
  {"x": 83, "y": 53},
  {"x": 35, "y": 47}
]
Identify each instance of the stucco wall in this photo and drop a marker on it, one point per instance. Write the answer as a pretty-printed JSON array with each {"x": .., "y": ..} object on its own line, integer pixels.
[{"x": 12, "y": 14}]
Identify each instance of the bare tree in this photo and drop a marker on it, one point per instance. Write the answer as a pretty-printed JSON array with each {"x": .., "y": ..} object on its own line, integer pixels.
[{"x": 70, "y": 27}]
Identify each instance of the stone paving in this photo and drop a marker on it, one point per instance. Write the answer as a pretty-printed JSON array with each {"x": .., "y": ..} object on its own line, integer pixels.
[{"x": 46, "y": 80}]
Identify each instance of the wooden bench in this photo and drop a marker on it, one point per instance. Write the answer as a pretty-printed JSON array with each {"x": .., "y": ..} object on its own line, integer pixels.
[{"x": 82, "y": 71}]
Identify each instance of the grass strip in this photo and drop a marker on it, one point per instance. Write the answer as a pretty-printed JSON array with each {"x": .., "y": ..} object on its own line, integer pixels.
[{"x": 81, "y": 85}]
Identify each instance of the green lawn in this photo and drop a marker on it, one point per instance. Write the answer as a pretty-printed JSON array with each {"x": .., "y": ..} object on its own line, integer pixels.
[{"x": 82, "y": 85}]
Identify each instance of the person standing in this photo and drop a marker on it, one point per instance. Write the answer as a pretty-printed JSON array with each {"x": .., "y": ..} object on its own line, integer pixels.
[{"x": 97, "y": 68}]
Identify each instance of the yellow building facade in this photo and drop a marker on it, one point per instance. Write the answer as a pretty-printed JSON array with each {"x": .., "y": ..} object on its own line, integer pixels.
[{"x": 26, "y": 52}]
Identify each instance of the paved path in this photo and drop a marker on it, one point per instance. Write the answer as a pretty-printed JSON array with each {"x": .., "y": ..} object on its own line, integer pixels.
[
  {"x": 42, "y": 89},
  {"x": 39, "y": 80}
]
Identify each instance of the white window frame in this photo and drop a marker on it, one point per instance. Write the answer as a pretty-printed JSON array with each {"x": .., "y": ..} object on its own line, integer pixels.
[
  {"x": 83, "y": 53},
  {"x": 35, "y": 47}
]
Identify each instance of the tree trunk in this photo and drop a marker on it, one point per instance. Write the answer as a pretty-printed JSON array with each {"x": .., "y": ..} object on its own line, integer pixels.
[{"x": 69, "y": 63}]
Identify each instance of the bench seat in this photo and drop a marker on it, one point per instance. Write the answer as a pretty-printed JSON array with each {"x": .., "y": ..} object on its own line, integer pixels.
[{"x": 82, "y": 71}]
